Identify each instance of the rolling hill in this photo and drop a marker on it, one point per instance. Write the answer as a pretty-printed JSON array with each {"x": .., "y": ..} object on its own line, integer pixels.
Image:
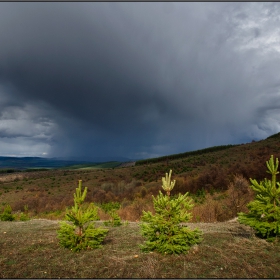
[
  {"x": 229, "y": 250},
  {"x": 201, "y": 173}
]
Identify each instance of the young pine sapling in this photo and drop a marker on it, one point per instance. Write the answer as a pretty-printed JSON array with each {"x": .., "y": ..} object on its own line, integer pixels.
[
  {"x": 164, "y": 230},
  {"x": 81, "y": 233},
  {"x": 264, "y": 210}
]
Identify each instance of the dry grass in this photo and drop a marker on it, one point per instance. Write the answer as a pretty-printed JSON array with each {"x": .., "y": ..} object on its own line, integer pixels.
[{"x": 229, "y": 250}]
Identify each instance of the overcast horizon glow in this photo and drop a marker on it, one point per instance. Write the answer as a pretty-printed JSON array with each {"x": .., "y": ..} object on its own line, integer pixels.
[{"x": 137, "y": 79}]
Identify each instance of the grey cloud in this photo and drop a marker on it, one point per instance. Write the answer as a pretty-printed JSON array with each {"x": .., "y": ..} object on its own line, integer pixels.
[{"x": 136, "y": 79}]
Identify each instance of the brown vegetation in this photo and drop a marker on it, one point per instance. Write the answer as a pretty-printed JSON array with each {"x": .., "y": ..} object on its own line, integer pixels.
[
  {"x": 211, "y": 179},
  {"x": 218, "y": 183}
]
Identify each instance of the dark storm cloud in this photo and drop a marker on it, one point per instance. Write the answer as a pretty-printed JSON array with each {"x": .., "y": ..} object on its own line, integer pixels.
[{"x": 137, "y": 79}]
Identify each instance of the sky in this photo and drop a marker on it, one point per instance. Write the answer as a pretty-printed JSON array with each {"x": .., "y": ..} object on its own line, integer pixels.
[{"x": 136, "y": 80}]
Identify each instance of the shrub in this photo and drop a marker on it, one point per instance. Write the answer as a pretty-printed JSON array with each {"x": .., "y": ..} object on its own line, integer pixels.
[
  {"x": 133, "y": 211},
  {"x": 7, "y": 214},
  {"x": 238, "y": 195},
  {"x": 110, "y": 206},
  {"x": 110, "y": 209},
  {"x": 81, "y": 234},
  {"x": 164, "y": 230},
  {"x": 264, "y": 211},
  {"x": 210, "y": 211},
  {"x": 115, "y": 219},
  {"x": 23, "y": 217}
]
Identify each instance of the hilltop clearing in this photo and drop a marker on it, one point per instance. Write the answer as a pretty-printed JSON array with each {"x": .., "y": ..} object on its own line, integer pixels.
[{"x": 30, "y": 250}]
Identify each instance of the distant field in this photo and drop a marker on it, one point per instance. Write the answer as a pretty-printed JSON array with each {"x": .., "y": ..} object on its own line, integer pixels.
[{"x": 112, "y": 164}]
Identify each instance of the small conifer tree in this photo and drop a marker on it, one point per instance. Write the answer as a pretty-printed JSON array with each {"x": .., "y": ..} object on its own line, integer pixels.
[
  {"x": 7, "y": 214},
  {"x": 164, "y": 230},
  {"x": 115, "y": 219},
  {"x": 81, "y": 233},
  {"x": 264, "y": 211},
  {"x": 111, "y": 209}
]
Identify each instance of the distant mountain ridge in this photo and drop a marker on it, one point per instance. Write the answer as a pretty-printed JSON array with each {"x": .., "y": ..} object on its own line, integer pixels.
[
  {"x": 36, "y": 162},
  {"x": 22, "y": 163}
]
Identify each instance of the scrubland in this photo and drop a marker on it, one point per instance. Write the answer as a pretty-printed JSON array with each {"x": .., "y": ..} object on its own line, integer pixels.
[{"x": 218, "y": 183}]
